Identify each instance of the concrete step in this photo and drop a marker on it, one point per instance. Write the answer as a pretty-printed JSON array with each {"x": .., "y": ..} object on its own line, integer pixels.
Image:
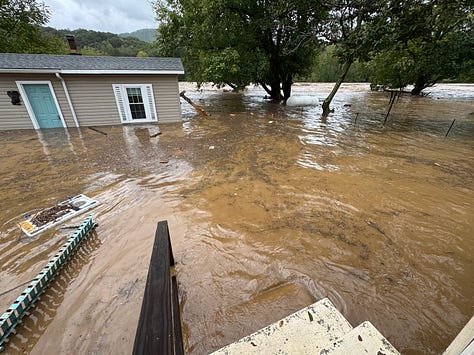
[
  {"x": 307, "y": 331},
  {"x": 363, "y": 339},
  {"x": 463, "y": 344}
]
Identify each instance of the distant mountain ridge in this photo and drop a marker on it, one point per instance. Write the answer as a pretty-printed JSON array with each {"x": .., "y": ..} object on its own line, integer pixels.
[
  {"x": 145, "y": 34},
  {"x": 102, "y": 43}
]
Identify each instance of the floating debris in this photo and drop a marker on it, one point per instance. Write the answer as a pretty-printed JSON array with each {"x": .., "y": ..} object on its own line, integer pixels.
[{"x": 52, "y": 216}]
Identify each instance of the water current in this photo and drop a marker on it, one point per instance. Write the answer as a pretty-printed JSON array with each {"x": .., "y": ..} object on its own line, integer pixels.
[{"x": 270, "y": 209}]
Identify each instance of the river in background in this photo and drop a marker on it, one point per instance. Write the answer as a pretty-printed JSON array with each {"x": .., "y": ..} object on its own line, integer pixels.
[{"x": 270, "y": 209}]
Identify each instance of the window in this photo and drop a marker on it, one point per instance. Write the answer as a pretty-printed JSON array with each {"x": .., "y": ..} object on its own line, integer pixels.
[{"x": 135, "y": 102}]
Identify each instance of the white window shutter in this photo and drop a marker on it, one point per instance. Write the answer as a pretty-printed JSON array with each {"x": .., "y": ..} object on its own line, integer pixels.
[
  {"x": 151, "y": 102},
  {"x": 120, "y": 102}
]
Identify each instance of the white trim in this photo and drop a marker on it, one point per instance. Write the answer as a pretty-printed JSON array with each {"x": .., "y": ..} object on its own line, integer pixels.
[
  {"x": 66, "y": 92},
  {"x": 26, "y": 100},
  {"x": 87, "y": 71},
  {"x": 117, "y": 88},
  {"x": 30, "y": 71},
  {"x": 125, "y": 104},
  {"x": 149, "y": 87}
]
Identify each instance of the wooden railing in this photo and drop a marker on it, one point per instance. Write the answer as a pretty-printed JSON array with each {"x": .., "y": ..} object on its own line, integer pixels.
[{"x": 159, "y": 325}]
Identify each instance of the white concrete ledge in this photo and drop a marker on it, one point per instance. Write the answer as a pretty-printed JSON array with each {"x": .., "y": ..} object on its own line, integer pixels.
[
  {"x": 317, "y": 329},
  {"x": 304, "y": 332}
]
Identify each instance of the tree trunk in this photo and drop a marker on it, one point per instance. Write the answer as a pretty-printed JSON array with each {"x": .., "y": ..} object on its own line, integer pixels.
[
  {"x": 286, "y": 86},
  {"x": 274, "y": 75},
  {"x": 275, "y": 93},
  {"x": 420, "y": 84},
  {"x": 328, "y": 99}
]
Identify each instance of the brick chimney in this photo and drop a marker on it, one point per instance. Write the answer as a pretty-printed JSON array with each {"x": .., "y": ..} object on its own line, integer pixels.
[{"x": 72, "y": 45}]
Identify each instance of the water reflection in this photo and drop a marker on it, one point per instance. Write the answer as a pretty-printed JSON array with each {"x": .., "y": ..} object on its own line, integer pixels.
[{"x": 270, "y": 209}]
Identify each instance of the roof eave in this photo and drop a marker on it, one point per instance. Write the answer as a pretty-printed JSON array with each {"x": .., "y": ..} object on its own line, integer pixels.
[
  {"x": 34, "y": 71},
  {"x": 107, "y": 72},
  {"x": 129, "y": 72}
]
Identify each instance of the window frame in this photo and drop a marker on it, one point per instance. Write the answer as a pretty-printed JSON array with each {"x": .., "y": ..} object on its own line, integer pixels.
[{"x": 147, "y": 94}]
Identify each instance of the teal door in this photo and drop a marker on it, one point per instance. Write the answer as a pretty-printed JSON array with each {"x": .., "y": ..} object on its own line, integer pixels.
[{"x": 43, "y": 105}]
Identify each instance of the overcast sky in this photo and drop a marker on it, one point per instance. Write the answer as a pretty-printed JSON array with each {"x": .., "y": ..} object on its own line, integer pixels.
[{"x": 116, "y": 16}]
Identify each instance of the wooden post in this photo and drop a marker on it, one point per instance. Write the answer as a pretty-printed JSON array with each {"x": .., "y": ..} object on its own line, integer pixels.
[
  {"x": 393, "y": 96},
  {"x": 452, "y": 124}
]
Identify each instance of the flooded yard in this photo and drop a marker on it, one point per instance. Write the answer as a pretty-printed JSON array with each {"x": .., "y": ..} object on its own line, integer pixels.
[{"x": 270, "y": 209}]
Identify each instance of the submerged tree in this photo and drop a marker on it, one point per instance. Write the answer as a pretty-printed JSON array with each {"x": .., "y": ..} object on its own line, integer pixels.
[
  {"x": 242, "y": 41},
  {"x": 429, "y": 41},
  {"x": 356, "y": 29}
]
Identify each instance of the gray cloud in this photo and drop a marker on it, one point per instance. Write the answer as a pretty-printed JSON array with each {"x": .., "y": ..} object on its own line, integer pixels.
[{"x": 114, "y": 16}]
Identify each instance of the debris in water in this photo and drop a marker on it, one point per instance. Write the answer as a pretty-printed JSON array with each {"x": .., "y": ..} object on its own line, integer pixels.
[
  {"x": 164, "y": 161},
  {"x": 155, "y": 135},
  {"x": 375, "y": 226},
  {"x": 57, "y": 214},
  {"x": 378, "y": 229},
  {"x": 52, "y": 213},
  {"x": 211, "y": 147},
  {"x": 302, "y": 100},
  {"x": 97, "y": 130},
  {"x": 197, "y": 107}
]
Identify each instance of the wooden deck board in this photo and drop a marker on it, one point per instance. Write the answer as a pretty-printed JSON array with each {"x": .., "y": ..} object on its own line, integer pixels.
[{"x": 155, "y": 326}]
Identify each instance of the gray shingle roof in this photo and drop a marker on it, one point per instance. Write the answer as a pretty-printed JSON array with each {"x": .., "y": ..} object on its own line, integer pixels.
[{"x": 14, "y": 62}]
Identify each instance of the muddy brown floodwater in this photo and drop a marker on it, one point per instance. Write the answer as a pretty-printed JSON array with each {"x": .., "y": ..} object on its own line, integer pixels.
[{"x": 270, "y": 209}]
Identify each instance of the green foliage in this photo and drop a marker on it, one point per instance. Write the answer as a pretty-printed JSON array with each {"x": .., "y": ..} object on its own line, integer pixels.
[
  {"x": 103, "y": 43},
  {"x": 428, "y": 41},
  {"x": 20, "y": 21},
  {"x": 237, "y": 42},
  {"x": 354, "y": 28},
  {"x": 142, "y": 54},
  {"x": 21, "y": 32},
  {"x": 327, "y": 67}
]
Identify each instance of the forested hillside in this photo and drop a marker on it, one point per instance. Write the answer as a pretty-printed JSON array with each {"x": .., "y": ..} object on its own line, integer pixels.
[{"x": 102, "y": 43}]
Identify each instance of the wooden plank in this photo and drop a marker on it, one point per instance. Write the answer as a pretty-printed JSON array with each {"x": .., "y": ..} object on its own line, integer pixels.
[
  {"x": 155, "y": 327},
  {"x": 177, "y": 334}
]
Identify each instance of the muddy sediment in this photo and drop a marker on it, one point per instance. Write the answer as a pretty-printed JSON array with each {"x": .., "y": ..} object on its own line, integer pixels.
[{"x": 269, "y": 209}]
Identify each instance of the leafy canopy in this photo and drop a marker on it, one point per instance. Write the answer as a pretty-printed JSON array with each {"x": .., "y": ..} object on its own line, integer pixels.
[
  {"x": 427, "y": 41},
  {"x": 20, "y": 22},
  {"x": 237, "y": 42}
]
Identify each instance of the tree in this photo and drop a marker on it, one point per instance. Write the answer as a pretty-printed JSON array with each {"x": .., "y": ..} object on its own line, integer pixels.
[
  {"x": 327, "y": 68},
  {"x": 19, "y": 26},
  {"x": 430, "y": 41},
  {"x": 237, "y": 42},
  {"x": 355, "y": 28}
]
